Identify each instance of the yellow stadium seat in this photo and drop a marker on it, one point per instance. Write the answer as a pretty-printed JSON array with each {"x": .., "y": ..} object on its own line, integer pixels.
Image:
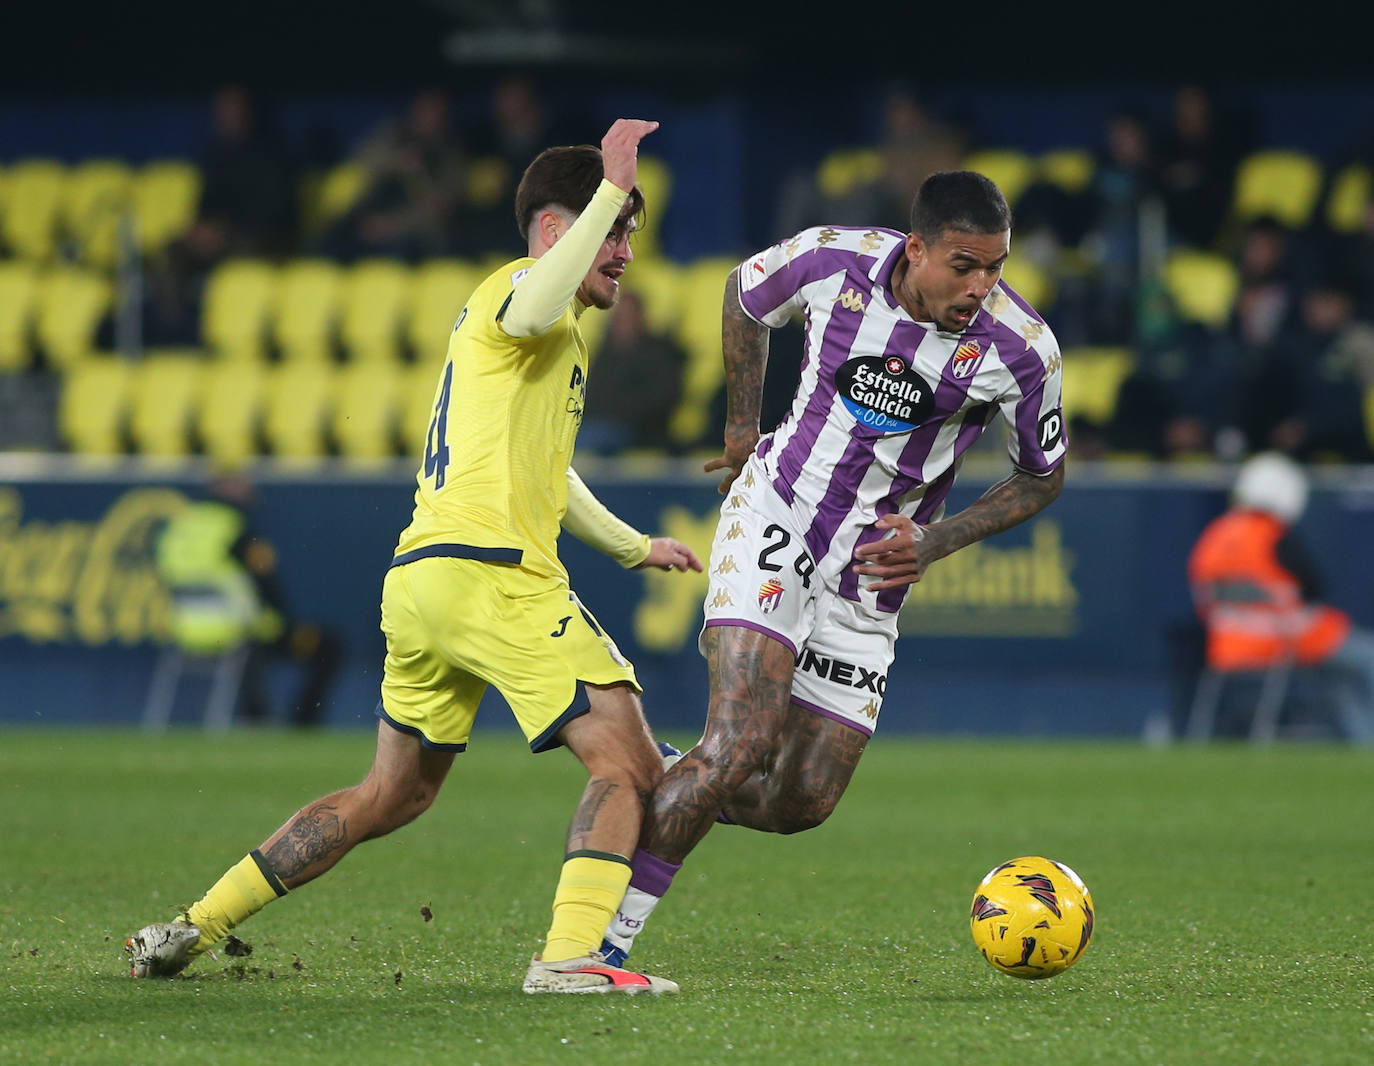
[
  {"x": 656, "y": 180},
  {"x": 844, "y": 170},
  {"x": 72, "y": 304},
  {"x": 164, "y": 390},
  {"x": 365, "y": 410},
  {"x": 419, "y": 385},
  {"x": 703, "y": 289},
  {"x": 1202, "y": 285},
  {"x": 1092, "y": 379},
  {"x": 438, "y": 290},
  {"x": 33, "y": 198},
  {"x": 658, "y": 282},
  {"x": 239, "y": 300},
  {"x": 1010, "y": 170},
  {"x": 93, "y": 405},
  {"x": 1349, "y": 198},
  {"x": 309, "y": 300},
  {"x": 18, "y": 309},
  {"x": 327, "y": 196},
  {"x": 1071, "y": 169},
  {"x": 1278, "y": 182},
  {"x": 488, "y": 177},
  {"x": 297, "y": 398},
  {"x": 95, "y": 210},
  {"x": 229, "y": 409},
  {"x": 1031, "y": 281},
  {"x": 166, "y": 196},
  {"x": 375, "y": 296}
]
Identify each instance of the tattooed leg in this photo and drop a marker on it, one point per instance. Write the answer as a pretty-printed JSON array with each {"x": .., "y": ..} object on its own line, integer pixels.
[
  {"x": 804, "y": 780},
  {"x": 751, "y": 684},
  {"x": 404, "y": 779}
]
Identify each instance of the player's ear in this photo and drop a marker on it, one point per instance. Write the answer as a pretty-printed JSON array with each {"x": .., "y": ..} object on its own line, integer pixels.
[
  {"x": 915, "y": 248},
  {"x": 550, "y": 226}
]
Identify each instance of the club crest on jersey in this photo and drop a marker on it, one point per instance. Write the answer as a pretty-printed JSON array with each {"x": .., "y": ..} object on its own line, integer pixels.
[
  {"x": 770, "y": 595},
  {"x": 884, "y": 393},
  {"x": 966, "y": 358}
]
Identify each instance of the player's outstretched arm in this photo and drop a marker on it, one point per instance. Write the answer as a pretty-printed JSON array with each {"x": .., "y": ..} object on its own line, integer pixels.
[
  {"x": 745, "y": 346},
  {"x": 665, "y": 553},
  {"x": 902, "y": 558}
]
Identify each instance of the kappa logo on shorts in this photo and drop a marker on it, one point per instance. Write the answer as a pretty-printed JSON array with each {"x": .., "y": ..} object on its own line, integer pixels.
[{"x": 770, "y": 595}]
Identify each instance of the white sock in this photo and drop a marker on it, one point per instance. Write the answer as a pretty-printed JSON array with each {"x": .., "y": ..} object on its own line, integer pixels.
[{"x": 650, "y": 877}]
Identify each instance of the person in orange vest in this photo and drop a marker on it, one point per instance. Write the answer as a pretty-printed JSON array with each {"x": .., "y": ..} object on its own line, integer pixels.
[{"x": 1259, "y": 594}]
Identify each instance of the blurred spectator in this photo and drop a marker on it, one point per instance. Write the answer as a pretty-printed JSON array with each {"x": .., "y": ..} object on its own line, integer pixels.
[
  {"x": 914, "y": 143},
  {"x": 416, "y": 183},
  {"x": 248, "y": 207},
  {"x": 635, "y": 384},
  {"x": 1354, "y": 252},
  {"x": 1198, "y": 157},
  {"x": 1259, "y": 593},
  {"x": 1317, "y": 376},
  {"x": 222, "y": 579}
]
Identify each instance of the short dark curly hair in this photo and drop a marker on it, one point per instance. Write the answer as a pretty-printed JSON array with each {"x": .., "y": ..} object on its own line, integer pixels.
[
  {"x": 962, "y": 200},
  {"x": 566, "y": 177}
]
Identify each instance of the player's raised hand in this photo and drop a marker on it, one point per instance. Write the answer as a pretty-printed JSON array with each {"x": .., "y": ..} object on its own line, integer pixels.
[{"x": 620, "y": 150}]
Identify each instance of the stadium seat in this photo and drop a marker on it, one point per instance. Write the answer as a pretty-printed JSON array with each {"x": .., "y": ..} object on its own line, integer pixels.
[
  {"x": 95, "y": 208},
  {"x": 1032, "y": 282},
  {"x": 166, "y": 196},
  {"x": 18, "y": 309},
  {"x": 656, "y": 179},
  {"x": 1010, "y": 169},
  {"x": 93, "y": 405},
  {"x": 703, "y": 286},
  {"x": 1348, "y": 201},
  {"x": 845, "y": 169},
  {"x": 438, "y": 290},
  {"x": 658, "y": 282},
  {"x": 310, "y": 296},
  {"x": 1092, "y": 379},
  {"x": 488, "y": 176},
  {"x": 237, "y": 308},
  {"x": 229, "y": 409},
  {"x": 375, "y": 296},
  {"x": 364, "y": 413},
  {"x": 1277, "y": 182},
  {"x": 1071, "y": 169},
  {"x": 33, "y": 198},
  {"x": 72, "y": 305},
  {"x": 1202, "y": 285},
  {"x": 329, "y": 195},
  {"x": 164, "y": 390},
  {"x": 297, "y": 397}
]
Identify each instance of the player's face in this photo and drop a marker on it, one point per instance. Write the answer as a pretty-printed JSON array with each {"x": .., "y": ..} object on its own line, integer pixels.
[
  {"x": 601, "y": 287},
  {"x": 949, "y": 278}
]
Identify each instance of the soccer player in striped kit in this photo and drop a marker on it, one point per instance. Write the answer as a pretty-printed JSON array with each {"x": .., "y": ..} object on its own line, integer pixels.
[{"x": 913, "y": 344}]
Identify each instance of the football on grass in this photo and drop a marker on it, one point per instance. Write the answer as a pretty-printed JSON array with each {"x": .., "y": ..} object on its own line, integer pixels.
[{"x": 1032, "y": 917}]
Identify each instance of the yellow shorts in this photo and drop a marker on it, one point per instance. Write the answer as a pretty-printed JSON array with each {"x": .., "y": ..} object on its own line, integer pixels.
[{"x": 455, "y": 626}]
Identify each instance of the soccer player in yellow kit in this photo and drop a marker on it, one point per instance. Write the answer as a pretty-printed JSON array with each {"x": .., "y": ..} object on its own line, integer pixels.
[{"x": 476, "y": 594}]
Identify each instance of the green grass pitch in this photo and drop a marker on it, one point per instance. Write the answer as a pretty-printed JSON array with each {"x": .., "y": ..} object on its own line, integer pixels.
[{"x": 1234, "y": 890}]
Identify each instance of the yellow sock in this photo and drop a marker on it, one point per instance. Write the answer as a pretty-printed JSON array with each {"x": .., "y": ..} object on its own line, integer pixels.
[
  {"x": 589, "y": 890},
  {"x": 245, "y": 889}
]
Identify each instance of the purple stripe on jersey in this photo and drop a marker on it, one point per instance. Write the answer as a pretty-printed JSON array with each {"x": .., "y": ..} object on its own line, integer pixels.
[
  {"x": 744, "y": 623},
  {"x": 832, "y": 716},
  {"x": 849, "y": 580},
  {"x": 846, "y": 476},
  {"x": 780, "y": 286}
]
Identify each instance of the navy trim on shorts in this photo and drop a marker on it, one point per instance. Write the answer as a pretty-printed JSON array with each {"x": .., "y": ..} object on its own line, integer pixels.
[
  {"x": 580, "y": 705},
  {"x": 461, "y": 551},
  {"x": 410, "y": 730}
]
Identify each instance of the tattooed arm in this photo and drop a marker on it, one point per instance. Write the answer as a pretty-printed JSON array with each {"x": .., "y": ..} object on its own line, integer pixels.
[
  {"x": 745, "y": 344},
  {"x": 903, "y": 558}
]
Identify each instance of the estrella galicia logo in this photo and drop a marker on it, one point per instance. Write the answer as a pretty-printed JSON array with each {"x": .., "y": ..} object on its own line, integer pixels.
[{"x": 885, "y": 393}]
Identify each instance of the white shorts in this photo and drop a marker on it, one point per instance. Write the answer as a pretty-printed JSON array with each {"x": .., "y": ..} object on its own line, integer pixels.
[{"x": 762, "y": 577}]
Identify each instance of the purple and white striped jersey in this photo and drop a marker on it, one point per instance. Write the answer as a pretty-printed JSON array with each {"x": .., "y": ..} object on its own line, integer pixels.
[{"x": 887, "y": 406}]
